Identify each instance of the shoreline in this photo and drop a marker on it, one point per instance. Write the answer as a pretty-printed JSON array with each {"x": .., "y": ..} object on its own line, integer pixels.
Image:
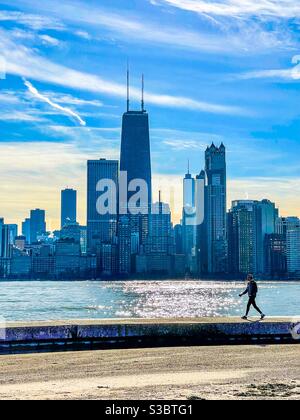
[{"x": 209, "y": 373}]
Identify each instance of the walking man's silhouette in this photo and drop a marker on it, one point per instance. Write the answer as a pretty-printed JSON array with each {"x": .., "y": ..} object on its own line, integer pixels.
[{"x": 252, "y": 290}]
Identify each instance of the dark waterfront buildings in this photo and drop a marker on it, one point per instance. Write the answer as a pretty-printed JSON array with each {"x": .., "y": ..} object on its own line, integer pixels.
[
  {"x": 68, "y": 207},
  {"x": 209, "y": 242}
]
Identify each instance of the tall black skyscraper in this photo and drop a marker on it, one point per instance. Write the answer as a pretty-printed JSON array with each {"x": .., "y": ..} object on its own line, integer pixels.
[
  {"x": 136, "y": 161},
  {"x": 216, "y": 207},
  {"x": 68, "y": 207},
  {"x": 135, "y": 146}
]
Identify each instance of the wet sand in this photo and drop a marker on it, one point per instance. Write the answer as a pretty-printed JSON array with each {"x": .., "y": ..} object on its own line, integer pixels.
[{"x": 231, "y": 372}]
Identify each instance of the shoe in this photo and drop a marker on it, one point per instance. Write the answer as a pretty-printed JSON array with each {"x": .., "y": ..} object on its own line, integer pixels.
[
  {"x": 244, "y": 318},
  {"x": 263, "y": 317}
]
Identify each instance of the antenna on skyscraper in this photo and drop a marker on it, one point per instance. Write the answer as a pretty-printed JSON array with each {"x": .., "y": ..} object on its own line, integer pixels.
[
  {"x": 128, "y": 88},
  {"x": 188, "y": 166},
  {"x": 143, "y": 93}
]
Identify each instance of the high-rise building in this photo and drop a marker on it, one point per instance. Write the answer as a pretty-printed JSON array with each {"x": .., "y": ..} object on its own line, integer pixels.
[
  {"x": 6, "y": 246},
  {"x": 201, "y": 244},
  {"x": 124, "y": 236},
  {"x": 242, "y": 237},
  {"x": 13, "y": 233},
  {"x": 267, "y": 214},
  {"x": 135, "y": 164},
  {"x": 215, "y": 209},
  {"x": 109, "y": 252},
  {"x": 101, "y": 223},
  {"x": 189, "y": 234},
  {"x": 135, "y": 146},
  {"x": 284, "y": 224},
  {"x": 287, "y": 228},
  {"x": 26, "y": 230},
  {"x": 276, "y": 255},
  {"x": 160, "y": 244},
  {"x": 293, "y": 252},
  {"x": 178, "y": 232},
  {"x": 68, "y": 207},
  {"x": 1, "y": 227},
  {"x": 83, "y": 240},
  {"x": 37, "y": 224},
  {"x": 249, "y": 222},
  {"x": 161, "y": 239}
]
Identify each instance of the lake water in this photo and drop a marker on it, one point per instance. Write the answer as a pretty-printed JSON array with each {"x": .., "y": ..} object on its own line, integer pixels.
[{"x": 44, "y": 301}]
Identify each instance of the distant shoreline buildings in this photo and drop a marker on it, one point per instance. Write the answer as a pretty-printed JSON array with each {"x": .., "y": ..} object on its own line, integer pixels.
[{"x": 210, "y": 242}]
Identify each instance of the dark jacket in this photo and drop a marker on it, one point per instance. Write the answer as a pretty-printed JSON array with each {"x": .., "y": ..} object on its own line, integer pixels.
[{"x": 252, "y": 290}]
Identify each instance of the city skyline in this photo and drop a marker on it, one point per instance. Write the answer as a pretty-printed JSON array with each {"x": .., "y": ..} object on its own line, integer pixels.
[{"x": 197, "y": 91}]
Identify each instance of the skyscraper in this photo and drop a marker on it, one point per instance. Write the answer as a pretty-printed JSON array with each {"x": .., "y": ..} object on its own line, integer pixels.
[
  {"x": 13, "y": 233},
  {"x": 135, "y": 162},
  {"x": 267, "y": 214},
  {"x": 250, "y": 223},
  {"x": 135, "y": 148},
  {"x": 26, "y": 230},
  {"x": 101, "y": 226},
  {"x": 276, "y": 255},
  {"x": 293, "y": 252},
  {"x": 37, "y": 224},
  {"x": 284, "y": 224},
  {"x": 5, "y": 242},
  {"x": 124, "y": 236},
  {"x": 215, "y": 209},
  {"x": 161, "y": 238},
  {"x": 289, "y": 228},
  {"x": 160, "y": 243},
  {"x": 242, "y": 236},
  {"x": 188, "y": 219},
  {"x": 68, "y": 207},
  {"x": 135, "y": 144},
  {"x": 1, "y": 227},
  {"x": 201, "y": 248}
]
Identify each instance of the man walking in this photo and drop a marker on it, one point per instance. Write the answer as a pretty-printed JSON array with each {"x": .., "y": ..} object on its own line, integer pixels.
[{"x": 252, "y": 291}]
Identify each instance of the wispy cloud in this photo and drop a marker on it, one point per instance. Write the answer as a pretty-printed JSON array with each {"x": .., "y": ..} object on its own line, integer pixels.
[
  {"x": 54, "y": 105},
  {"x": 72, "y": 100},
  {"x": 9, "y": 97},
  {"x": 49, "y": 40},
  {"x": 19, "y": 116},
  {"x": 238, "y": 8},
  {"x": 128, "y": 26},
  {"x": 253, "y": 26},
  {"x": 26, "y": 63},
  {"x": 286, "y": 74},
  {"x": 33, "y": 21}
]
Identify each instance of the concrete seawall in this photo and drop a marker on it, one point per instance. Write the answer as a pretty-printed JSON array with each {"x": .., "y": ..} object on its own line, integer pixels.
[{"x": 132, "y": 333}]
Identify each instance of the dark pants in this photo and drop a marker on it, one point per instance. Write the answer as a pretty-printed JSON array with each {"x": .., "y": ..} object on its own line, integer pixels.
[{"x": 252, "y": 302}]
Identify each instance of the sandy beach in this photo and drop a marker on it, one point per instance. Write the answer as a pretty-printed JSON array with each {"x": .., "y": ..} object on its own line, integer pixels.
[{"x": 232, "y": 372}]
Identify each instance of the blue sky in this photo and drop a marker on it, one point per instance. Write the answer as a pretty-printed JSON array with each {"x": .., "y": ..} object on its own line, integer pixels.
[{"x": 223, "y": 70}]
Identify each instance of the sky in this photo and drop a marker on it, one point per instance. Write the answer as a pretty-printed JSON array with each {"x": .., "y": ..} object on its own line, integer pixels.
[{"x": 215, "y": 71}]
